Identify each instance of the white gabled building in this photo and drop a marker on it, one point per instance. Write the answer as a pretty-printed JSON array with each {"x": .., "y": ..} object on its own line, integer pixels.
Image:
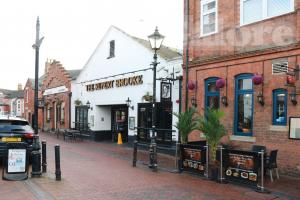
[{"x": 119, "y": 69}]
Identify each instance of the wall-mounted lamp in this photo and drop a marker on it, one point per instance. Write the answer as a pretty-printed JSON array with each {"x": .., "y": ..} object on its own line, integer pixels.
[
  {"x": 224, "y": 101},
  {"x": 88, "y": 105},
  {"x": 128, "y": 102},
  {"x": 194, "y": 101},
  {"x": 293, "y": 98},
  {"x": 260, "y": 98}
]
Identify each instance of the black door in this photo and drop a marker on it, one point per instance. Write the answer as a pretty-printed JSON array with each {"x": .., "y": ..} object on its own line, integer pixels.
[
  {"x": 81, "y": 118},
  {"x": 119, "y": 122},
  {"x": 163, "y": 121}
]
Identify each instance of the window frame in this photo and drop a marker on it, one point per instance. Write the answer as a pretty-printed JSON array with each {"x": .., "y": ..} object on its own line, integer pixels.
[
  {"x": 264, "y": 11},
  {"x": 204, "y": 2},
  {"x": 210, "y": 94},
  {"x": 112, "y": 49},
  {"x": 237, "y": 92},
  {"x": 274, "y": 108}
]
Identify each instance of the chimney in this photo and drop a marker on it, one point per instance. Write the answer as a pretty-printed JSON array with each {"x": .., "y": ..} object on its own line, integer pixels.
[{"x": 20, "y": 87}]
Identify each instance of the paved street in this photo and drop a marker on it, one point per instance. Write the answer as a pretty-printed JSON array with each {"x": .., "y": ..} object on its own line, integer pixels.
[{"x": 103, "y": 171}]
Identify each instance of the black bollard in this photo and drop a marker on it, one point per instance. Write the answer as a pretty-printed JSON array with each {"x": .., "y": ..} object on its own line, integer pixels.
[
  {"x": 36, "y": 164},
  {"x": 44, "y": 157},
  {"x": 154, "y": 146},
  {"x": 178, "y": 156},
  {"x": 57, "y": 163},
  {"x": 134, "y": 153}
]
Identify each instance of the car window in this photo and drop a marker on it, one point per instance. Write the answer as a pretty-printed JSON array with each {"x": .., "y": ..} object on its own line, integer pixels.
[{"x": 14, "y": 125}]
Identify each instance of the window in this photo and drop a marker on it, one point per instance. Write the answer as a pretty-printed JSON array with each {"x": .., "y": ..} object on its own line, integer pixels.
[
  {"x": 111, "y": 49},
  {"x": 212, "y": 94},
  {"x": 256, "y": 10},
  {"x": 243, "y": 115},
  {"x": 209, "y": 17},
  {"x": 279, "y": 107},
  {"x": 62, "y": 113},
  {"x": 48, "y": 112}
]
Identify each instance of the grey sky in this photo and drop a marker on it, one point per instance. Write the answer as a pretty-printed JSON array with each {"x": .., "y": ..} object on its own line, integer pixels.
[{"x": 73, "y": 28}]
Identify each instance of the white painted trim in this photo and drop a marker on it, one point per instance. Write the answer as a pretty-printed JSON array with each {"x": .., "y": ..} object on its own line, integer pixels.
[
  {"x": 242, "y": 138},
  {"x": 265, "y": 13},
  {"x": 278, "y": 128},
  {"x": 203, "y": 2}
]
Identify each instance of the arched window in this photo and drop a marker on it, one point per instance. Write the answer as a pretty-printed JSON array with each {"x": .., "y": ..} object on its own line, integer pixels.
[
  {"x": 243, "y": 115},
  {"x": 279, "y": 107},
  {"x": 212, "y": 93}
]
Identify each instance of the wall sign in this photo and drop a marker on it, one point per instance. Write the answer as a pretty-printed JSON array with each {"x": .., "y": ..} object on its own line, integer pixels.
[
  {"x": 294, "y": 128},
  {"x": 56, "y": 90},
  {"x": 134, "y": 80}
]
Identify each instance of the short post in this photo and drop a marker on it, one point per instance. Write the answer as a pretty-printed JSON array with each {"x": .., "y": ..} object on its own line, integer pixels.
[
  {"x": 222, "y": 179},
  {"x": 135, "y": 143},
  {"x": 152, "y": 152},
  {"x": 36, "y": 158},
  {"x": 57, "y": 163},
  {"x": 261, "y": 187},
  {"x": 178, "y": 157},
  {"x": 44, "y": 157},
  {"x": 207, "y": 161}
]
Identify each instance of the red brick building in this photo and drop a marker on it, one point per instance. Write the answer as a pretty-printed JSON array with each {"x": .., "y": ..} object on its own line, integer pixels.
[
  {"x": 29, "y": 102},
  {"x": 56, "y": 92},
  {"x": 241, "y": 43}
]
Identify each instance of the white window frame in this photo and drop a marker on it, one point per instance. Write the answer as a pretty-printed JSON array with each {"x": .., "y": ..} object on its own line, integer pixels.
[
  {"x": 264, "y": 13},
  {"x": 204, "y": 2}
]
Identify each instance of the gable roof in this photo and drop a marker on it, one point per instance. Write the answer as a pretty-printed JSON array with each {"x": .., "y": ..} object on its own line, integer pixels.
[
  {"x": 11, "y": 94},
  {"x": 164, "y": 52}
]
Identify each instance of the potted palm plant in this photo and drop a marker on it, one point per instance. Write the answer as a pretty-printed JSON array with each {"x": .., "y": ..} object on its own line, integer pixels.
[
  {"x": 212, "y": 128},
  {"x": 187, "y": 122}
]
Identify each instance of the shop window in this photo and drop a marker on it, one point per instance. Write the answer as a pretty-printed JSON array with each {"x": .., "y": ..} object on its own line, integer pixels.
[
  {"x": 243, "y": 120},
  {"x": 111, "y": 49},
  {"x": 209, "y": 20},
  {"x": 257, "y": 10},
  {"x": 280, "y": 107},
  {"x": 212, "y": 94}
]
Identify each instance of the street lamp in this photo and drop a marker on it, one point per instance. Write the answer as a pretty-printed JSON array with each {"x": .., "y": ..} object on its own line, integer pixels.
[
  {"x": 155, "y": 40},
  {"x": 36, "y": 155}
]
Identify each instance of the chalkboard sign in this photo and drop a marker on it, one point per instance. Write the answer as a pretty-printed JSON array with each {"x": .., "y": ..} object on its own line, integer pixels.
[
  {"x": 241, "y": 166},
  {"x": 193, "y": 158},
  {"x": 15, "y": 162}
]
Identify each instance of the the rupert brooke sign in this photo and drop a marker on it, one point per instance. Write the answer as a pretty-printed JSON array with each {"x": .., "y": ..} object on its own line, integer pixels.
[{"x": 134, "y": 80}]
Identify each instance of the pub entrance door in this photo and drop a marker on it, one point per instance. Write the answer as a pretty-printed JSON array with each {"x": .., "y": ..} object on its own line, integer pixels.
[{"x": 119, "y": 122}]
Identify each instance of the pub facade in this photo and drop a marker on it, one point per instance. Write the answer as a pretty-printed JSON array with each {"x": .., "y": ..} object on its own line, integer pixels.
[
  {"x": 244, "y": 59},
  {"x": 112, "y": 94}
]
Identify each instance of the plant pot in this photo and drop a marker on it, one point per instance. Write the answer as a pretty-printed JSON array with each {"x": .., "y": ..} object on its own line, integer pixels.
[{"x": 214, "y": 173}]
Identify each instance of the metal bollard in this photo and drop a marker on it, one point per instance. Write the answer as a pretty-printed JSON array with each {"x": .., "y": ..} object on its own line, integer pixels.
[
  {"x": 154, "y": 169},
  {"x": 36, "y": 164},
  {"x": 207, "y": 161},
  {"x": 44, "y": 157},
  {"x": 135, "y": 143},
  {"x": 57, "y": 163},
  {"x": 261, "y": 188},
  {"x": 178, "y": 157}
]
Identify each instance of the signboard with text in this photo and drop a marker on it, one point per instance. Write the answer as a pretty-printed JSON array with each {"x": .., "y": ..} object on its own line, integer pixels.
[
  {"x": 241, "y": 166},
  {"x": 16, "y": 160},
  {"x": 193, "y": 158}
]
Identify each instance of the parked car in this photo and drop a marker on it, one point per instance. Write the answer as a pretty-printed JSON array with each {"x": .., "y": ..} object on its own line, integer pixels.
[{"x": 14, "y": 129}]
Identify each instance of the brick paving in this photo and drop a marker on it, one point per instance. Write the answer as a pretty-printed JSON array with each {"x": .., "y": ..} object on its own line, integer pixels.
[{"x": 103, "y": 171}]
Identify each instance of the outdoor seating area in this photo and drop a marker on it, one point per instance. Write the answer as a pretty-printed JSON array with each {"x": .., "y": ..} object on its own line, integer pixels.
[{"x": 73, "y": 134}]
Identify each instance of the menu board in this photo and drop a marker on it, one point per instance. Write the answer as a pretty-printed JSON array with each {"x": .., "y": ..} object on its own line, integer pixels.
[
  {"x": 241, "y": 166},
  {"x": 16, "y": 160},
  {"x": 194, "y": 159}
]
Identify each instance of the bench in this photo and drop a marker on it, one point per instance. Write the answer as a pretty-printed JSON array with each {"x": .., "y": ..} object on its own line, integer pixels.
[{"x": 84, "y": 134}]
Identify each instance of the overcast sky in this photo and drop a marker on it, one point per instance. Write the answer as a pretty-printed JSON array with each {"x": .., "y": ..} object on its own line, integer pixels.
[{"x": 73, "y": 28}]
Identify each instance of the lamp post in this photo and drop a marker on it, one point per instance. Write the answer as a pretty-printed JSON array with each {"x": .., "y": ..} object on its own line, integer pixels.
[
  {"x": 36, "y": 155},
  {"x": 155, "y": 40}
]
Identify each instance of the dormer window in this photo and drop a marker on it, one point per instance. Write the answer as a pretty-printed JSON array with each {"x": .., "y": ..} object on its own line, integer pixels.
[{"x": 111, "y": 49}]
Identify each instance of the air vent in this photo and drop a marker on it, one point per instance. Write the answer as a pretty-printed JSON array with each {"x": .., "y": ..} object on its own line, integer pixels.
[{"x": 279, "y": 68}]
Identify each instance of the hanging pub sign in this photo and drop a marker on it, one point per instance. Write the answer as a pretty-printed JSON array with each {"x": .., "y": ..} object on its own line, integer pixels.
[
  {"x": 193, "y": 158},
  {"x": 241, "y": 166},
  {"x": 165, "y": 91}
]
